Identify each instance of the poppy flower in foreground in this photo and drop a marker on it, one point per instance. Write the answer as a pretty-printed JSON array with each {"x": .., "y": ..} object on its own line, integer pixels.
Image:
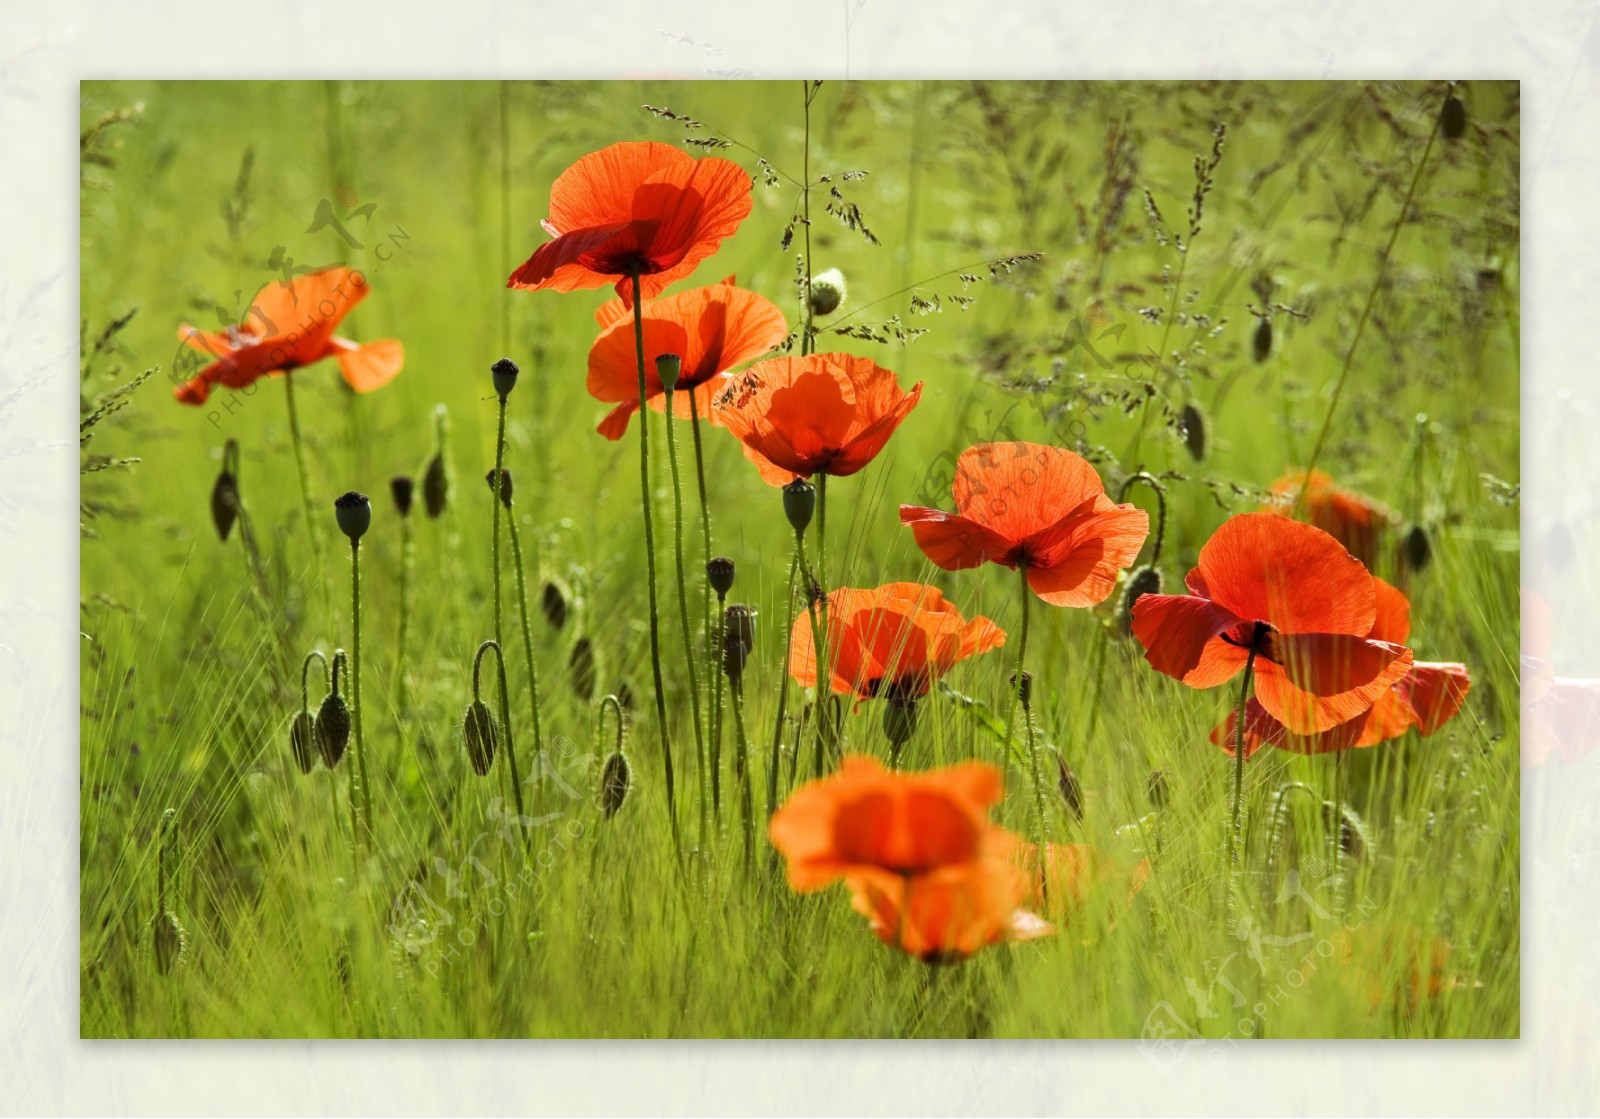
[
  {"x": 923, "y": 863},
  {"x": 894, "y": 640},
  {"x": 819, "y": 414},
  {"x": 1354, "y": 520},
  {"x": 1291, "y": 595},
  {"x": 1037, "y": 507},
  {"x": 710, "y": 329},
  {"x": 645, "y": 207},
  {"x": 1396, "y": 964},
  {"x": 291, "y": 324},
  {"x": 1427, "y": 697}
]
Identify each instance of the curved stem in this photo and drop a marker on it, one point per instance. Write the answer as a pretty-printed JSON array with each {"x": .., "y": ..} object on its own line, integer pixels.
[
  {"x": 683, "y": 617},
  {"x": 355, "y": 682},
  {"x": 1160, "y": 491},
  {"x": 527, "y": 648},
  {"x": 305, "y": 668},
  {"x": 650, "y": 566},
  {"x": 505, "y": 710}
]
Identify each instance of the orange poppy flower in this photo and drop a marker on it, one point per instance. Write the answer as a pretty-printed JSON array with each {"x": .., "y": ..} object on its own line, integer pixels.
[
  {"x": 1350, "y": 518},
  {"x": 1041, "y": 508},
  {"x": 894, "y": 640},
  {"x": 922, "y": 861},
  {"x": 1075, "y": 872},
  {"x": 1290, "y": 593},
  {"x": 1427, "y": 697},
  {"x": 711, "y": 329},
  {"x": 635, "y": 206},
  {"x": 289, "y": 325},
  {"x": 819, "y": 414},
  {"x": 1395, "y": 964}
]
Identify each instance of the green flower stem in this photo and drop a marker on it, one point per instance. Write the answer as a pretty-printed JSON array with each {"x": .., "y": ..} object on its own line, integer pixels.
[
  {"x": 824, "y": 687},
  {"x": 746, "y": 808},
  {"x": 355, "y": 683},
  {"x": 716, "y": 710},
  {"x": 527, "y": 647},
  {"x": 1041, "y": 830},
  {"x": 683, "y": 617},
  {"x": 1238, "y": 759},
  {"x": 505, "y": 710},
  {"x": 406, "y": 558},
  {"x": 305, "y": 482},
  {"x": 783, "y": 685}
]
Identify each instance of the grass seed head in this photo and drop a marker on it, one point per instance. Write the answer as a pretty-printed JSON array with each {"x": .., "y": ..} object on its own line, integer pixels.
[{"x": 170, "y": 941}]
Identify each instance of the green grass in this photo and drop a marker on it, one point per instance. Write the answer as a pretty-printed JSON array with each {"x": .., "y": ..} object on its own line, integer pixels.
[{"x": 189, "y": 676}]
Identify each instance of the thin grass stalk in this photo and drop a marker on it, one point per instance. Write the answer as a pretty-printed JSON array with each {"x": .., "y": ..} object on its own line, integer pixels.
[
  {"x": 683, "y": 616},
  {"x": 527, "y": 648}
]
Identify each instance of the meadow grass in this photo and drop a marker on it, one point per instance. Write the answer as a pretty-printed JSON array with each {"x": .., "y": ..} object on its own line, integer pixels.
[{"x": 453, "y": 922}]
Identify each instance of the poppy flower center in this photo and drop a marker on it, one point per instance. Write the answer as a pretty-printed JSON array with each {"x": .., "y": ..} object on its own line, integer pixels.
[{"x": 1254, "y": 637}]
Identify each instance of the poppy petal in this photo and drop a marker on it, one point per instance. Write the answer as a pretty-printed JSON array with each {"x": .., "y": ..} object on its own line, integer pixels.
[
  {"x": 1393, "y": 621},
  {"x": 862, "y": 447},
  {"x": 952, "y": 541},
  {"x": 615, "y": 424},
  {"x": 1318, "y": 681},
  {"x": 370, "y": 365},
  {"x": 556, "y": 265},
  {"x": 1435, "y": 692},
  {"x": 1019, "y": 489},
  {"x": 1076, "y": 561},
  {"x": 1299, "y": 579},
  {"x": 1181, "y": 635}
]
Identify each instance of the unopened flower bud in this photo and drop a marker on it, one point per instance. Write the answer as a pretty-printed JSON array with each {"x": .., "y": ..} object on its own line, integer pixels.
[
  {"x": 899, "y": 720},
  {"x": 1027, "y": 688},
  {"x": 719, "y": 571},
  {"x": 354, "y": 514},
  {"x": 669, "y": 367},
  {"x": 505, "y": 486},
  {"x": 225, "y": 502},
  {"x": 1261, "y": 342},
  {"x": 615, "y": 781},
  {"x": 402, "y": 488},
  {"x": 1192, "y": 426},
  {"x": 828, "y": 292},
  {"x": 504, "y": 372},
  {"x": 333, "y": 728},
  {"x": 739, "y": 639},
  {"x": 799, "y": 502},
  {"x": 1141, "y": 581},
  {"x": 554, "y": 603},
  {"x": 1419, "y": 551},
  {"x": 1453, "y": 119},
  {"x": 580, "y": 666},
  {"x": 480, "y": 736},
  {"x": 303, "y": 740}
]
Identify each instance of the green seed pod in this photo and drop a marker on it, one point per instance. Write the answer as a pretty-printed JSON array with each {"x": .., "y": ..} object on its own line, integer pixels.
[
  {"x": 828, "y": 292},
  {"x": 1419, "y": 550},
  {"x": 303, "y": 740},
  {"x": 1141, "y": 581},
  {"x": 1156, "y": 791},
  {"x": 333, "y": 728},
  {"x": 1261, "y": 342},
  {"x": 504, "y": 374},
  {"x": 739, "y": 639},
  {"x": 899, "y": 720},
  {"x": 1192, "y": 426},
  {"x": 225, "y": 503},
  {"x": 354, "y": 513},
  {"x": 581, "y": 667},
  {"x": 479, "y": 736},
  {"x": 554, "y": 603},
  {"x": 170, "y": 941},
  {"x": 435, "y": 487},
  {"x": 1071, "y": 788},
  {"x": 799, "y": 502},
  {"x": 719, "y": 571},
  {"x": 1453, "y": 119},
  {"x": 615, "y": 780},
  {"x": 669, "y": 367}
]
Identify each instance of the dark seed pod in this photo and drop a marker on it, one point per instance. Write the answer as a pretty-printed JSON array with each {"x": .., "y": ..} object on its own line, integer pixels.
[
  {"x": 1261, "y": 342},
  {"x": 479, "y": 736},
  {"x": 581, "y": 667},
  {"x": 1453, "y": 119},
  {"x": 799, "y": 502},
  {"x": 1071, "y": 789},
  {"x": 1155, "y": 789},
  {"x": 719, "y": 571},
  {"x": 225, "y": 503},
  {"x": 402, "y": 488},
  {"x": 505, "y": 486},
  {"x": 333, "y": 729},
  {"x": 554, "y": 603},
  {"x": 899, "y": 720},
  {"x": 435, "y": 487},
  {"x": 170, "y": 941},
  {"x": 504, "y": 375},
  {"x": 1141, "y": 581},
  {"x": 1027, "y": 688},
  {"x": 354, "y": 513},
  {"x": 303, "y": 740},
  {"x": 1192, "y": 426},
  {"x": 1418, "y": 549},
  {"x": 615, "y": 780},
  {"x": 739, "y": 639}
]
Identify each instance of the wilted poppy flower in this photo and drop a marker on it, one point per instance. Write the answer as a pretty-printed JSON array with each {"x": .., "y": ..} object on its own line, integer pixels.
[
  {"x": 1041, "y": 508},
  {"x": 1427, "y": 697},
  {"x": 291, "y": 324},
  {"x": 820, "y": 414},
  {"x": 1350, "y": 518},
  {"x": 1293, "y": 596},
  {"x": 894, "y": 640},
  {"x": 711, "y": 329},
  {"x": 922, "y": 860},
  {"x": 645, "y": 207}
]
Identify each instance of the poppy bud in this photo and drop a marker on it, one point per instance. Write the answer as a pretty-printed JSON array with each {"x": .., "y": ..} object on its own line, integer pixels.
[
  {"x": 581, "y": 667},
  {"x": 828, "y": 292},
  {"x": 402, "y": 488},
  {"x": 505, "y": 486},
  {"x": 1453, "y": 119},
  {"x": 615, "y": 780},
  {"x": 1261, "y": 343},
  {"x": 554, "y": 603},
  {"x": 1352, "y": 831},
  {"x": 354, "y": 513},
  {"x": 669, "y": 367},
  {"x": 302, "y": 740},
  {"x": 1155, "y": 789},
  {"x": 720, "y": 572},
  {"x": 504, "y": 372},
  {"x": 739, "y": 639},
  {"x": 225, "y": 503},
  {"x": 899, "y": 720},
  {"x": 1071, "y": 789},
  {"x": 799, "y": 502},
  {"x": 170, "y": 941},
  {"x": 1027, "y": 688},
  {"x": 1141, "y": 581},
  {"x": 1192, "y": 426},
  {"x": 1418, "y": 549},
  {"x": 333, "y": 728},
  {"x": 625, "y": 697},
  {"x": 435, "y": 487},
  {"x": 479, "y": 736}
]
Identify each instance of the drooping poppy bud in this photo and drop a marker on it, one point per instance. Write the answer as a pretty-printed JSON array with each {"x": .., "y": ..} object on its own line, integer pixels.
[
  {"x": 479, "y": 736},
  {"x": 580, "y": 666},
  {"x": 719, "y": 570},
  {"x": 504, "y": 373},
  {"x": 1027, "y": 688},
  {"x": 1192, "y": 426},
  {"x": 402, "y": 488},
  {"x": 554, "y": 603},
  {"x": 225, "y": 493},
  {"x": 169, "y": 940},
  {"x": 1453, "y": 119},
  {"x": 1261, "y": 342},
  {"x": 899, "y": 720},
  {"x": 828, "y": 292},
  {"x": 615, "y": 780},
  {"x": 333, "y": 728},
  {"x": 799, "y": 502},
  {"x": 303, "y": 740},
  {"x": 669, "y": 367},
  {"x": 1071, "y": 789},
  {"x": 1141, "y": 581},
  {"x": 1419, "y": 551},
  {"x": 354, "y": 514},
  {"x": 505, "y": 486},
  {"x": 740, "y": 638},
  {"x": 435, "y": 487}
]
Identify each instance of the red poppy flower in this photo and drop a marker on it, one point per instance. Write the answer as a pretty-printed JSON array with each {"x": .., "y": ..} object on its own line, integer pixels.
[
  {"x": 289, "y": 325},
  {"x": 1354, "y": 520},
  {"x": 1041, "y": 508},
  {"x": 1293, "y": 595},
  {"x": 894, "y": 640},
  {"x": 1427, "y": 697},
  {"x": 922, "y": 861},
  {"x": 819, "y": 414},
  {"x": 711, "y": 329},
  {"x": 635, "y": 206}
]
